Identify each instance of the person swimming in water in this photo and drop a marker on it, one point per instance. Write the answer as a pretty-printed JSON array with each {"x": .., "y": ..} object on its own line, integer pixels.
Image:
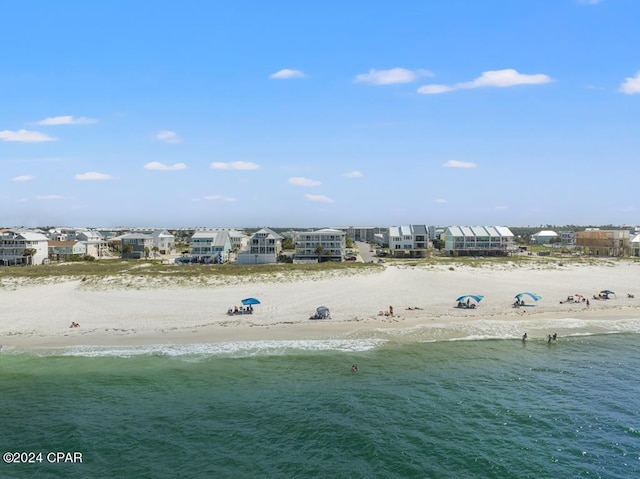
[{"x": 354, "y": 368}]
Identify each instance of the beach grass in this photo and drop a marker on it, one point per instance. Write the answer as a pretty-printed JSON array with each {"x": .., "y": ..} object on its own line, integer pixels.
[
  {"x": 129, "y": 273},
  {"x": 153, "y": 273}
]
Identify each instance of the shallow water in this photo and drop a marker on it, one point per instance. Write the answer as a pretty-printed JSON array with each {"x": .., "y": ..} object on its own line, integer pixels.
[{"x": 475, "y": 408}]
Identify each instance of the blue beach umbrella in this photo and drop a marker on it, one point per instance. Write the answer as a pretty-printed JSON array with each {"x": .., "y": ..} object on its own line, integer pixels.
[
  {"x": 248, "y": 301},
  {"x": 533, "y": 296},
  {"x": 475, "y": 297}
]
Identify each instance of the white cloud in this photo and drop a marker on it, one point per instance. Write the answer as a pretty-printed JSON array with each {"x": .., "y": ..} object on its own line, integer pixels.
[
  {"x": 156, "y": 165},
  {"x": 319, "y": 198},
  {"x": 234, "y": 165},
  {"x": 492, "y": 78},
  {"x": 458, "y": 164},
  {"x": 23, "y": 178},
  {"x": 300, "y": 181},
  {"x": 168, "y": 136},
  {"x": 25, "y": 136},
  {"x": 435, "y": 89},
  {"x": 353, "y": 174},
  {"x": 391, "y": 76},
  {"x": 93, "y": 175},
  {"x": 220, "y": 198},
  {"x": 631, "y": 85},
  {"x": 49, "y": 197},
  {"x": 286, "y": 74},
  {"x": 501, "y": 207},
  {"x": 506, "y": 78},
  {"x": 440, "y": 201},
  {"x": 66, "y": 120}
]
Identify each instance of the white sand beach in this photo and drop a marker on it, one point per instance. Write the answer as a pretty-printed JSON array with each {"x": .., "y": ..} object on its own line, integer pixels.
[{"x": 422, "y": 297}]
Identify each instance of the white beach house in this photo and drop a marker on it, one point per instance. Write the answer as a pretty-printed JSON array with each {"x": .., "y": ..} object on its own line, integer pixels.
[
  {"x": 478, "y": 240},
  {"x": 321, "y": 245},
  {"x": 264, "y": 247},
  {"x": 409, "y": 240},
  {"x": 211, "y": 246},
  {"x": 544, "y": 237},
  {"x": 23, "y": 247}
]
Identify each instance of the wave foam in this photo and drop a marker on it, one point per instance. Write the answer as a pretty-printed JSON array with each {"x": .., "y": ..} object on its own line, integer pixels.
[{"x": 230, "y": 349}]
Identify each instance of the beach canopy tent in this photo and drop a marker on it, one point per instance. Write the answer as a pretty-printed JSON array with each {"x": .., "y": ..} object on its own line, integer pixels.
[
  {"x": 533, "y": 296},
  {"x": 476, "y": 297},
  {"x": 322, "y": 312},
  {"x": 605, "y": 293},
  {"x": 248, "y": 301}
]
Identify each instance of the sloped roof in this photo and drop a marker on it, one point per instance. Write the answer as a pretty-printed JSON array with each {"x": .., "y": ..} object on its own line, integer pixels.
[
  {"x": 546, "y": 233},
  {"x": 474, "y": 231}
]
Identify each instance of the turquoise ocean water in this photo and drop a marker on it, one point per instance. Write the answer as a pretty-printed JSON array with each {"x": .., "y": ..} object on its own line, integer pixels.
[{"x": 490, "y": 408}]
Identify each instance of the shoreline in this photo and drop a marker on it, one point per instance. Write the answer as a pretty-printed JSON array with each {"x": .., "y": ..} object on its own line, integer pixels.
[{"x": 38, "y": 316}]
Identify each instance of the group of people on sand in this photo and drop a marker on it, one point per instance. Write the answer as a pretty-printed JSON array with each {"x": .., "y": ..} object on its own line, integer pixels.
[
  {"x": 74, "y": 325},
  {"x": 240, "y": 310},
  {"x": 518, "y": 302},
  {"x": 467, "y": 305},
  {"x": 389, "y": 312}
]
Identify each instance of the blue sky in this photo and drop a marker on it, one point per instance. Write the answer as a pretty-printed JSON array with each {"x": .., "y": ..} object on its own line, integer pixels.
[{"x": 289, "y": 113}]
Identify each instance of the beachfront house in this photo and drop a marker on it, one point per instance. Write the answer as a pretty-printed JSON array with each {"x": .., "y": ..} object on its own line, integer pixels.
[
  {"x": 94, "y": 243},
  {"x": 410, "y": 241},
  {"x": 596, "y": 242},
  {"x": 23, "y": 247},
  {"x": 136, "y": 245},
  {"x": 321, "y": 245},
  {"x": 478, "y": 240},
  {"x": 163, "y": 241},
  {"x": 239, "y": 240},
  {"x": 635, "y": 245},
  {"x": 211, "y": 246},
  {"x": 544, "y": 237},
  {"x": 65, "y": 250},
  {"x": 567, "y": 238},
  {"x": 264, "y": 247}
]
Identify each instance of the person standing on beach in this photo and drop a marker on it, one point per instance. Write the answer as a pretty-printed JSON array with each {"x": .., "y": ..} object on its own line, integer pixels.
[{"x": 390, "y": 310}]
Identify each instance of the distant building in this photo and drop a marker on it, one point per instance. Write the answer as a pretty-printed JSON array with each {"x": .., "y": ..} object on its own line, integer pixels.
[
  {"x": 264, "y": 247},
  {"x": 13, "y": 245},
  {"x": 604, "y": 242},
  {"x": 63, "y": 250},
  {"x": 210, "y": 246},
  {"x": 321, "y": 245},
  {"x": 544, "y": 237},
  {"x": 409, "y": 241},
  {"x": 567, "y": 238},
  {"x": 136, "y": 245},
  {"x": 164, "y": 241},
  {"x": 362, "y": 233},
  {"x": 478, "y": 240},
  {"x": 635, "y": 245}
]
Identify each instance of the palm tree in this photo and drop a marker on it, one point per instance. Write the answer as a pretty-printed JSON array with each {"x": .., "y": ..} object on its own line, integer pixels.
[
  {"x": 127, "y": 249},
  {"x": 155, "y": 250},
  {"x": 319, "y": 252},
  {"x": 29, "y": 253}
]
